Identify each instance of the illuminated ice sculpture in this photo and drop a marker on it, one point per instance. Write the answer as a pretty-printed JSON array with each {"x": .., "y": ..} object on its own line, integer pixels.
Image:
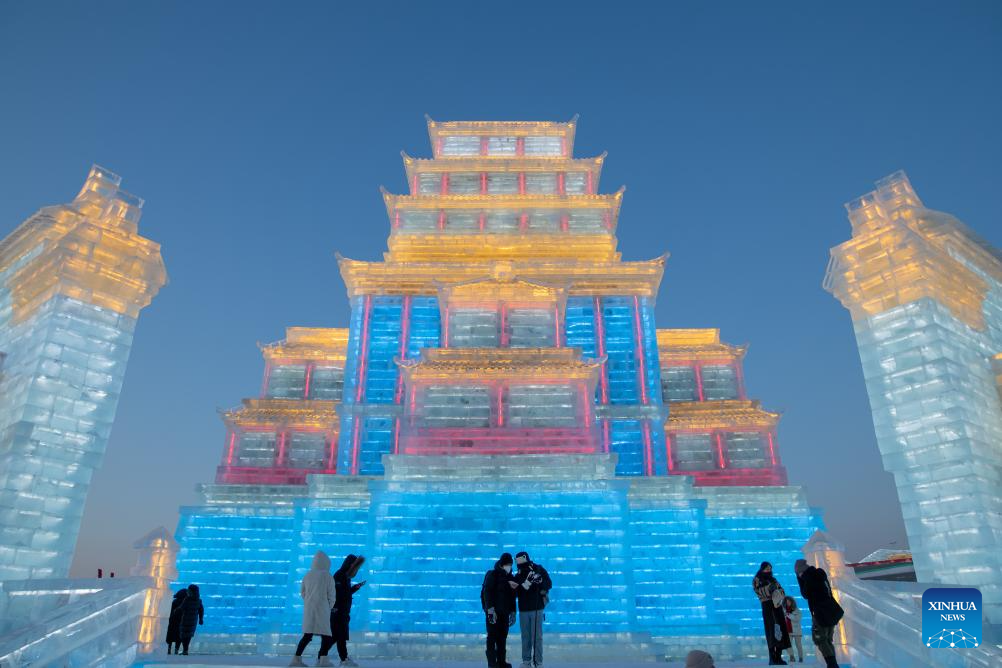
[
  {"x": 925, "y": 294},
  {"x": 501, "y": 386},
  {"x": 73, "y": 279}
]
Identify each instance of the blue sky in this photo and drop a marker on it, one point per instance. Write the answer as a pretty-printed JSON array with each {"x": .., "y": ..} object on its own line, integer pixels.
[{"x": 259, "y": 133}]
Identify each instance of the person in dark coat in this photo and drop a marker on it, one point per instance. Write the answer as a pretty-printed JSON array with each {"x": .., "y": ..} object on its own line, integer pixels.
[
  {"x": 770, "y": 594},
  {"x": 498, "y": 602},
  {"x": 826, "y": 613},
  {"x": 191, "y": 613},
  {"x": 174, "y": 622},
  {"x": 533, "y": 592},
  {"x": 341, "y": 614}
]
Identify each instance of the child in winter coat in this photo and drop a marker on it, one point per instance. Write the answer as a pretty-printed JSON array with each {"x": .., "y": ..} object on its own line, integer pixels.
[{"x": 793, "y": 617}]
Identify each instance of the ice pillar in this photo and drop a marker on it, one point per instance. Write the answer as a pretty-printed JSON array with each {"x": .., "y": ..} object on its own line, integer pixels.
[
  {"x": 73, "y": 279},
  {"x": 925, "y": 294}
]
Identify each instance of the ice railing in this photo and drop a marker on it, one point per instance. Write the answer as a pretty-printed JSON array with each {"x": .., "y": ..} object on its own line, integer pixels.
[
  {"x": 882, "y": 627},
  {"x": 79, "y": 622}
]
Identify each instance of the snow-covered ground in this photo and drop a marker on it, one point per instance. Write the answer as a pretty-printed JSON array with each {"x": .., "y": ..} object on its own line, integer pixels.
[{"x": 248, "y": 661}]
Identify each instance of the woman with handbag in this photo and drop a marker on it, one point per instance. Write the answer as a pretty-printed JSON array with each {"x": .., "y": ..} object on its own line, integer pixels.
[{"x": 770, "y": 595}]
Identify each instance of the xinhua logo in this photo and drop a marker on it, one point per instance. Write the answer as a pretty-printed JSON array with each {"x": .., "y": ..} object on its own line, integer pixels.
[{"x": 951, "y": 617}]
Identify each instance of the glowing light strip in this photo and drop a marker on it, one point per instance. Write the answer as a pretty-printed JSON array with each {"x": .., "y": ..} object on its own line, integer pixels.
[
  {"x": 740, "y": 377},
  {"x": 500, "y": 405},
  {"x": 267, "y": 378},
  {"x": 558, "y": 328},
  {"x": 668, "y": 452},
  {"x": 639, "y": 345},
  {"x": 444, "y": 188},
  {"x": 648, "y": 455},
  {"x": 232, "y": 448},
  {"x": 280, "y": 456},
  {"x": 355, "y": 437},
  {"x": 772, "y": 448},
  {"x": 561, "y": 185},
  {"x": 364, "y": 352},
  {"x": 405, "y": 330},
  {"x": 699, "y": 382},
  {"x": 306, "y": 386},
  {"x": 521, "y": 183},
  {"x": 331, "y": 453},
  {"x": 606, "y": 437},
  {"x": 396, "y": 435},
  {"x": 590, "y": 184},
  {"x": 720, "y": 450},
  {"x": 600, "y": 349},
  {"x": 505, "y": 338}
]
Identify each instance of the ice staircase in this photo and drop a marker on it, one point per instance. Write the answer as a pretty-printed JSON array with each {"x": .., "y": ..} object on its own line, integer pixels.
[
  {"x": 71, "y": 622},
  {"x": 438, "y": 523}
]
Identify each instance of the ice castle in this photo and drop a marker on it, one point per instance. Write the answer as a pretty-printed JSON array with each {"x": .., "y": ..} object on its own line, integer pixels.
[
  {"x": 925, "y": 294},
  {"x": 501, "y": 386},
  {"x": 73, "y": 279}
]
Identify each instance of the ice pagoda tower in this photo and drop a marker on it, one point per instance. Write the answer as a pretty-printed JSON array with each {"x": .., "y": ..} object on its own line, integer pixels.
[
  {"x": 925, "y": 294},
  {"x": 501, "y": 386},
  {"x": 73, "y": 279}
]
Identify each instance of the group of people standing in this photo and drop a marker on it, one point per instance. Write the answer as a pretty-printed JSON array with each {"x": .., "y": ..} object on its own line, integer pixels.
[
  {"x": 528, "y": 587},
  {"x": 327, "y": 607},
  {"x": 782, "y": 618},
  {"x": 186, "y": 613}
]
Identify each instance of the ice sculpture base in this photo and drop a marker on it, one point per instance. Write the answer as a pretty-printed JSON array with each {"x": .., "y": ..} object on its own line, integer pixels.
[{"x": 644, "y": 567}]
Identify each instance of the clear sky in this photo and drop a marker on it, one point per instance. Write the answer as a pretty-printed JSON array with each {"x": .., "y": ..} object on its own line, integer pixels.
[{"x": 258, "y": 134}]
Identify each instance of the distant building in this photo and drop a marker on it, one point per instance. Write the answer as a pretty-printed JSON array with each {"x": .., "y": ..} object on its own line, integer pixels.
[
  {"x": 885, "y": 565},
  {"x": 73, "y": 279}
]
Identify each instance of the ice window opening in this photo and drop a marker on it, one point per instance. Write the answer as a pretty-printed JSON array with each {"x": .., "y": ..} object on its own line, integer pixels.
[
  {"x": 257, "y": 449},
  {"x": 679, "y": 384},
  {"x": 746, "y": 450},
  {"x": 695, "y": 452},
  {"x": 466, "y": 406},
  {"x": 719, "y": 382},
  {"x": 536, "y": 406},
  {"x": 287, "y": 382}
]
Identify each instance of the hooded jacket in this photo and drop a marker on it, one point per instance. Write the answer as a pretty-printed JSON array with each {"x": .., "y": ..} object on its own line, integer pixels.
[
  {"x": 317, "y": 591},
  {"x": 343, "y": 586}
]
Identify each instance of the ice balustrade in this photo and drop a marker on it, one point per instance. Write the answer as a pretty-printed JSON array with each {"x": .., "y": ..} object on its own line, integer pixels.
[
  {"x": 78, "y": 622},
  {"x": 882, "y": 626}
]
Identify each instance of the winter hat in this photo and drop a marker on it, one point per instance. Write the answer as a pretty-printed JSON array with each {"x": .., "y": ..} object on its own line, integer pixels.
[
  {"x": 697, "y": 658},
  {"x": 800, "y": 566},
  {"x": 505, "y": 559},
  {"x": 521, "y": 558}
]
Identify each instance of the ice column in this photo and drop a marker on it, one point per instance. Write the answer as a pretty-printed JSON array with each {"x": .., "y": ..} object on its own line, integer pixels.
[
  {"x": 73, "y": 279},
  {"x": 925, "y": 294},
  {"x": 157, "y": 557}
]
